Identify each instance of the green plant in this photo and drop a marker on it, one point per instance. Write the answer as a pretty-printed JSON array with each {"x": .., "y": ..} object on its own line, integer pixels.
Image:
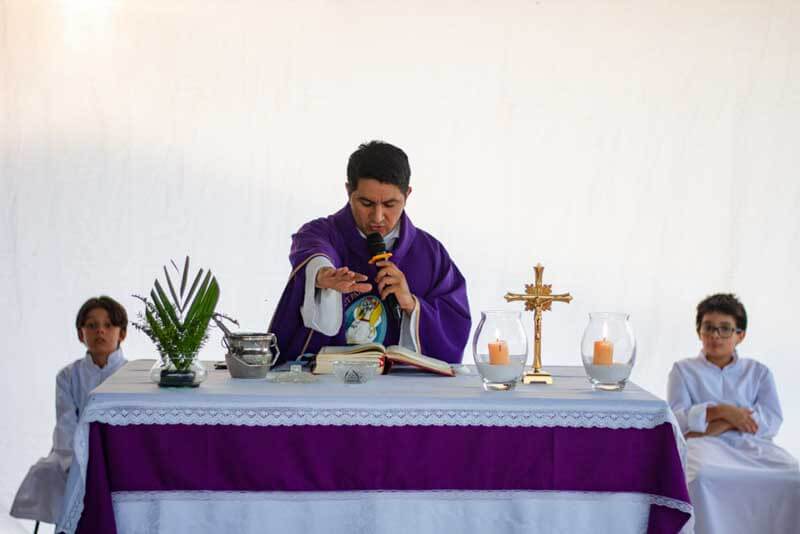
[{"x": 178, "y": 323}]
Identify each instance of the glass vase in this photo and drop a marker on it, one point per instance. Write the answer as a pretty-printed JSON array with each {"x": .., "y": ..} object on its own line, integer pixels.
[
  {"x": 183, "y": 373},
  {"x": 608, "y": 350},
  {"x": 500, "y": 349}
]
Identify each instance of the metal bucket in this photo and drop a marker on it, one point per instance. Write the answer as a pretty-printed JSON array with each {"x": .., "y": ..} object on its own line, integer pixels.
[{"x": 250, "y": 354}]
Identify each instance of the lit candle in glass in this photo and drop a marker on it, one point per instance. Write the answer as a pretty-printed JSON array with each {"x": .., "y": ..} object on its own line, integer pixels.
[
  {"x": 498, "y": 352},
  {"x": 603, "y": 352}
]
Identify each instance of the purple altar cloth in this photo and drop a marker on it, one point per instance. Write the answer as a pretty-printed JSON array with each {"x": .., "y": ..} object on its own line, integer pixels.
[{"x": 347, "y": 458}]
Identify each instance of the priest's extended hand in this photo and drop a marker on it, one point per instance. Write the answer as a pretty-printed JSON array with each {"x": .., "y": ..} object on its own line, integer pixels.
[
  {"x": 390, "y": 280},
  {"x": 342, "y": 280}
]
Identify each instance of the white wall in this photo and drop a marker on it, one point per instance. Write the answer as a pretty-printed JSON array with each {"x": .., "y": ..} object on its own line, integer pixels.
[{"x": 645, "y": 152}]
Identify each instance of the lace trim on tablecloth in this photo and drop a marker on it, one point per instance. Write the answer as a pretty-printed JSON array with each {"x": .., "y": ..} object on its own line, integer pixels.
[
  {"x": 249, "y": 496},
  {"x": 276, "y": 416}
]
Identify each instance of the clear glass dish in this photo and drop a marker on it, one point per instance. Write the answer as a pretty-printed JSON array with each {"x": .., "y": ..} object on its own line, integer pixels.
[
  {"x": 355, "y": 371},
  {"x": 295, "y": 375}
]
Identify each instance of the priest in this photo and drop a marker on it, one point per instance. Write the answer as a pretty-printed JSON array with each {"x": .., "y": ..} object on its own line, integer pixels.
[{"x": 340, "y": 291}]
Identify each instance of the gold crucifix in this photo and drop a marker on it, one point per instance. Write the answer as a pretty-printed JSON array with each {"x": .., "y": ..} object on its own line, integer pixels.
[{"x": 538, "y": 298}]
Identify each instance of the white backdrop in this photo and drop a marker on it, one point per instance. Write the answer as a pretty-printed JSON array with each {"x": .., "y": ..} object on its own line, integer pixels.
[{"x": 644, "y": 152}]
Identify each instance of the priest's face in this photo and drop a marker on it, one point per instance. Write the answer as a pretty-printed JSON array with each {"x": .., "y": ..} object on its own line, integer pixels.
[
  {"x": 719, "y": 335},
  {"x": 377, "y": 206}
]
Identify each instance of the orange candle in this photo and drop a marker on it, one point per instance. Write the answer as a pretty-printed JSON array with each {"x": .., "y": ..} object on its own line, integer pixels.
[
  {"x": 498, "y": 352},
  {"x": 603, "y": 352}
]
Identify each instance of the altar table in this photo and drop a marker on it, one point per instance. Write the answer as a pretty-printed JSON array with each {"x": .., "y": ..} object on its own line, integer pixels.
[{"x": 406, "y": 452}]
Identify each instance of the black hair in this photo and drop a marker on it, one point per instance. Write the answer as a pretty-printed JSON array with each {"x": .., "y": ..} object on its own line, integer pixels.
[
  {"x": 380, "y": 161},
  {"x": 117, "y": 314},
  {"x": 726, "y": 303}
]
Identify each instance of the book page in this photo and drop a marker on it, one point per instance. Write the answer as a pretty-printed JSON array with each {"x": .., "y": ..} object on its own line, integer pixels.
[
  {"x": 352, "y": 349},
  {"x": 403, "y": 355},
  {"x": 328, "y": 354}
]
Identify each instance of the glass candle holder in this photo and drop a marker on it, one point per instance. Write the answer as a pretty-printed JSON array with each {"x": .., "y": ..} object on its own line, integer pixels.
[
  {"x": 608, "y": 350},
  {"x": 500, "y": 349}
]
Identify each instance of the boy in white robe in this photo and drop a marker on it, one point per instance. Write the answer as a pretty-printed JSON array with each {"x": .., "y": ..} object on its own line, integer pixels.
[
  {"x": 102, "y": 325},
  {"x": 728, "y": 409}
]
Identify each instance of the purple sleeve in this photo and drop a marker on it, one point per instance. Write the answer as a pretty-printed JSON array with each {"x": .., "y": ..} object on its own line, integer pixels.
[
  {"x": 444, "y": 319},
  {"x": 315, "y": 238}
]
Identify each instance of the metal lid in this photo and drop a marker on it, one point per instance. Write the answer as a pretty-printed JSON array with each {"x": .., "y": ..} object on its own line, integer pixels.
[{"x": 250, "y": 335}]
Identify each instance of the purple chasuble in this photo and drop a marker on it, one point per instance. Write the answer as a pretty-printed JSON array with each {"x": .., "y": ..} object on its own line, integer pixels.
[{"x": 443, "y": 318}]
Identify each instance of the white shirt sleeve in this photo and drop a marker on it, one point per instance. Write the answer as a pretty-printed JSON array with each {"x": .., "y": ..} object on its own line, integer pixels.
[
  {"x": 767, "y": 408},
  {"x": 408, "y": 328},
  {"x": 691, "y": 418},
  {"x": 322, "y": 308},
  {"x": 66, "y": 419},
  {"x": 697, "y": 417}
]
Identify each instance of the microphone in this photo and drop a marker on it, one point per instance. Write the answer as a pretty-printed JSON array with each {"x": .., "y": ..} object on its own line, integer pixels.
[{"x": 377, "y": 248}]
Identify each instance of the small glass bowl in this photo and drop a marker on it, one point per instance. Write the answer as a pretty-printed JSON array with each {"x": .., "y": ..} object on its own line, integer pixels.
[
  {"x": 355, "y": 371},
  {"x": 295, "y": 375}
]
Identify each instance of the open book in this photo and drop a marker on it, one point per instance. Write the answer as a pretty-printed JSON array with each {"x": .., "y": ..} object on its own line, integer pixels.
[{"x": 379, "y": 353}]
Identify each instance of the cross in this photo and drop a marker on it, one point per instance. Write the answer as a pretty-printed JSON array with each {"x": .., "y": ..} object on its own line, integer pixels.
[{"x": 538, "y": 298}]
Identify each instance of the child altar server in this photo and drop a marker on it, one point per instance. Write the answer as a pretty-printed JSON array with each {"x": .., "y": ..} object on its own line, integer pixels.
[
  {"x": 728, "y": 409},
  {"x": 101, "y": 325}
]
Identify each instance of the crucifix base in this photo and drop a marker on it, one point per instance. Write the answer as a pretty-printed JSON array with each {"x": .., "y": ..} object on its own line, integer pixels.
[{"x": 537, "y": 377}]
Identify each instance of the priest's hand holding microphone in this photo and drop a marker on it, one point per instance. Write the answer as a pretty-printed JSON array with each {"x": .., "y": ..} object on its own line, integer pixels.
[{"x": 392, "y": 284}]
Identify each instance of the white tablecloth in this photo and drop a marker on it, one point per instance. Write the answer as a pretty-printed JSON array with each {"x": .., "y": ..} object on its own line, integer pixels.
[{"x": 402, "y": 398}]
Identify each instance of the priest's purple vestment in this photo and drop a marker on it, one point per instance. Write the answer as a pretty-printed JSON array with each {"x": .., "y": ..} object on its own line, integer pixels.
[{"x": 443, "y": 318}]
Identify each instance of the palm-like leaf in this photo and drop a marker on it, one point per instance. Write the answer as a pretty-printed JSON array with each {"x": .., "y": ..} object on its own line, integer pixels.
[
  {"x": 172, "y": 292},
  {"x": 168, "y": 306},
  {"x": 178, "y": 325},
  {"x": 185, "y": 276},
  {"x": 194, "y": 286}
]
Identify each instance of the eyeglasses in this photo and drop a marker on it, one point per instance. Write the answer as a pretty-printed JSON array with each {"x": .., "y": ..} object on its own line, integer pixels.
[{"x": 723, "y": 331}]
